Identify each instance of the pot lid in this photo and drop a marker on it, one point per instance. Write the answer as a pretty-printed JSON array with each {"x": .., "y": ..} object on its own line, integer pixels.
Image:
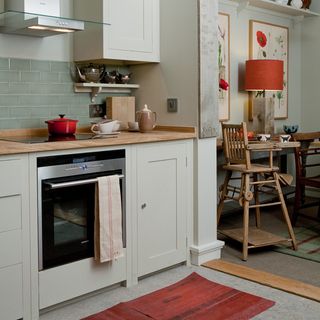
[
  {"x": 61, "y": 119},
  {"x": 145, "y": 109}
]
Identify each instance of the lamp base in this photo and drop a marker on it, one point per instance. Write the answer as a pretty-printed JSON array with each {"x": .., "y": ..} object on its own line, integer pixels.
[{"x": 263, "y": 115}]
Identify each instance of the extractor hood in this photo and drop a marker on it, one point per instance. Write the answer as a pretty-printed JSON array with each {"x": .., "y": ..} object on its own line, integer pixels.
[{"x": 38, "y": 18}]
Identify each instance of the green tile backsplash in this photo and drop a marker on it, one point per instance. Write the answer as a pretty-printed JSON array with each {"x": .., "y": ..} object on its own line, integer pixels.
[{"x": 33, "y": 91}]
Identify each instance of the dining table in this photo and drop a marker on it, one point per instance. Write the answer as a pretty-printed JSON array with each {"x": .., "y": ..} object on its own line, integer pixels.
[
  {"x": 281, "y": 152},
  {"x": 283, "y": 149}
]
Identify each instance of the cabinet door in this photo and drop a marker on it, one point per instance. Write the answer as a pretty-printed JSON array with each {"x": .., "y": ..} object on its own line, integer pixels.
[
  {"x": 134, "y": 30},
  {"x": 14, "y": 238},
  {"x": 11, "y": 302},
  {"x": 162, "y": 219},
  {"x": 133, "y": 33}
]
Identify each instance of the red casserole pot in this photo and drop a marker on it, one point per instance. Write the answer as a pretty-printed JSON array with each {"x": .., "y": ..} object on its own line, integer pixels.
[{"x": 62, "y": 126}]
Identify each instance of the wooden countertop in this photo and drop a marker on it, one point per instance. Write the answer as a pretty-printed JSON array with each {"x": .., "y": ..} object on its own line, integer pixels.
[{"x": 161, "y": 133}]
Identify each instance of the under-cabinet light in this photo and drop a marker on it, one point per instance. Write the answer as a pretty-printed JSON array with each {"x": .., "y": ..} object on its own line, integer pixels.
[{"x": 50, "y": 29}]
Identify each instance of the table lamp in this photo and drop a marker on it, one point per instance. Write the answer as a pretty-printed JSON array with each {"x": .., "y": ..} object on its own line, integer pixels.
[{"x": 261, "y": 76}]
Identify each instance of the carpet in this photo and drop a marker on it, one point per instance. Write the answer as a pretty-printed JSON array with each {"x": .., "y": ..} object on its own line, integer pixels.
[
  {"x": 192, "y": 298},
  {"x": 308, "y": 240}
]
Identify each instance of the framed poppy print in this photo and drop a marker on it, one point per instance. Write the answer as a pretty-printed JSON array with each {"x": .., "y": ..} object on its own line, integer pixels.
[
  {"x": 224, "y": 66},
  {"x": 270, "y": 41}
]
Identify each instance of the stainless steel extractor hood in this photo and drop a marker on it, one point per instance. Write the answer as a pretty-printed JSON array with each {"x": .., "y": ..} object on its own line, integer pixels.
[{"x": 41, "y": 22}]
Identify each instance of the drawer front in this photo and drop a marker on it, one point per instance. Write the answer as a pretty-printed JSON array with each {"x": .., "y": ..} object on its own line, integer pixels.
[
  {"x": 10, "y": 213},
  {"x": 10, "y": 248},
  {"x": 11, "y": 175},
  {"x": 11, "y": 292}
]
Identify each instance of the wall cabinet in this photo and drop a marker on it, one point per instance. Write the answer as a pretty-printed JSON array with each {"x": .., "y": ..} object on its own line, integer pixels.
[
  {"x": 133, "y": 33},
  {"x": 163, "y": 194},
  {"x": 14, "y": 251}
]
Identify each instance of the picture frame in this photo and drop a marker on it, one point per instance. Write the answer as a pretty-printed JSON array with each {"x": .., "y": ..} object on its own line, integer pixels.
[
  {"x": 224, "y": 66},
  {"x": 271, "y": 41}
]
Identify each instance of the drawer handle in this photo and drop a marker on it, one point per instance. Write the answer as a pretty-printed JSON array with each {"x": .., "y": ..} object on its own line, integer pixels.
[{"x": 143, "y": 205}]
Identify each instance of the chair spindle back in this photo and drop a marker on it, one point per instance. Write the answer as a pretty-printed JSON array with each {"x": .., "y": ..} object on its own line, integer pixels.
[{"x": 235, "y": 141}]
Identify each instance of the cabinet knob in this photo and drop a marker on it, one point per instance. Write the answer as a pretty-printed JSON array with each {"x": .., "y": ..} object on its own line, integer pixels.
[{"x": 143, "y": 205}]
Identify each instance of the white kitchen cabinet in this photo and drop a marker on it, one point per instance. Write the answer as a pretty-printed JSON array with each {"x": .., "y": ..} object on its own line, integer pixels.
[
  {"x": 133, "y": 33},
  {"x": 14, "y": 235},
  {"x": 163, "y": 191}
]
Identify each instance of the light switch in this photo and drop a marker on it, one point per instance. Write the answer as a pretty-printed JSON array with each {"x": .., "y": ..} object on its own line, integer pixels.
[{"x": 172, "y": 105}]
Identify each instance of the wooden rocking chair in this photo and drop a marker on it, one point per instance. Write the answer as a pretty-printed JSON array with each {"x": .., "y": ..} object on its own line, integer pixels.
[{"x": 254, "y": 178}]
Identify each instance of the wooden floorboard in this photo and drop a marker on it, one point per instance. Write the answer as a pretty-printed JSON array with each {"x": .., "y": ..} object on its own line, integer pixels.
[{"x": 285, "y": 284}]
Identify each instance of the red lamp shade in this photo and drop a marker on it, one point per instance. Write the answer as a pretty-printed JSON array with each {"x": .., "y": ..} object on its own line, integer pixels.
[{"x": 264, "y": 75}]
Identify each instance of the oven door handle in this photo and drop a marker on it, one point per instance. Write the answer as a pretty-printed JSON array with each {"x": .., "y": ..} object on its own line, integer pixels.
[{"x": 74, "y": 183}]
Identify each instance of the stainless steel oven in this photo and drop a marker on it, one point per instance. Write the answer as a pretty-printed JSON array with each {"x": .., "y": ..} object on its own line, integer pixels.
[{"x": 66, "y": 197}]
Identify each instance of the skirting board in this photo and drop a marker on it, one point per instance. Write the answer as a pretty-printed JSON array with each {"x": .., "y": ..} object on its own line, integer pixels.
[
  {"x": 285, "y": 284},
  {"x": 201, "y": 254}
]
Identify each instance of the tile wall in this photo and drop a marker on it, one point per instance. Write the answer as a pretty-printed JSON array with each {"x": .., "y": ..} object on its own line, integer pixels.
[{"x": 32, "y": 91}]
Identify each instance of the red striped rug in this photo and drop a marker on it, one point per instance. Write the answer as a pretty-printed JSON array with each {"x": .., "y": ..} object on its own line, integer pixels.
[{"x": 192, "y": 298}]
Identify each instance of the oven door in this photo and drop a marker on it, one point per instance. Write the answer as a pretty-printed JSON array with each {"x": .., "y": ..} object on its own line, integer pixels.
[{"x": 67, "y": 219}]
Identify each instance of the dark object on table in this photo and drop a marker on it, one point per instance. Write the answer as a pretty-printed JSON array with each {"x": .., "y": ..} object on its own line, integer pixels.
[
  {"x": 288, "y": 129},
  {"x": 306, "y": 4}
]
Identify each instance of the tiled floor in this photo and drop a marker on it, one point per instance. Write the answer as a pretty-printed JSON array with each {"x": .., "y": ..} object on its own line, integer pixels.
[
  {"x": 287, "y": 307},
  {"x": 265, "y": 258}
]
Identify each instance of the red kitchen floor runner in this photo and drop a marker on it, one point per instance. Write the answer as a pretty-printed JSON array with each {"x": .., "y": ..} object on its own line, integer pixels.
[{"x": 192, "y": 298}]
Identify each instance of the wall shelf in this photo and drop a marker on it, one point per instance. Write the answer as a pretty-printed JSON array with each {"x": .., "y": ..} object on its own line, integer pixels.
[
  {"x": 96, "y": 88},
  {"x": 277, "y": 7}
]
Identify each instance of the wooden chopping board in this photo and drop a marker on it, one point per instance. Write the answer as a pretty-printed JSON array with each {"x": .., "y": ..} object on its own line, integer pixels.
[{"x": 122, "y": 109}]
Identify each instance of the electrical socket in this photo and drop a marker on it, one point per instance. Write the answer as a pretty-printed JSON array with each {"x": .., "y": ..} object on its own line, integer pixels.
[
  {"x": 97, "y": 110},
  {"x": 172, "y": 104}
]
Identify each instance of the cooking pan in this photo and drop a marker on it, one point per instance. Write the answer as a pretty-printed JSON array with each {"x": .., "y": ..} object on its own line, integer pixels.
[{"x": 62, "y": 126}]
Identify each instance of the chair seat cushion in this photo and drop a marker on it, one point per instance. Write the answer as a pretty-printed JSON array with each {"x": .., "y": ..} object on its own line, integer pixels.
[{"x": 255, "y": 168}]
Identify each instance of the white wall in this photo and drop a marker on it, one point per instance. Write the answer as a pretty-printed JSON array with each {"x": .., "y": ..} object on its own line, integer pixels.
[
  {"x": 177, "y": 74},
  {"x": 310, "y": 41},
  {"x": 56, "y": 48},
  {"x": 239, "y": 53}
]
